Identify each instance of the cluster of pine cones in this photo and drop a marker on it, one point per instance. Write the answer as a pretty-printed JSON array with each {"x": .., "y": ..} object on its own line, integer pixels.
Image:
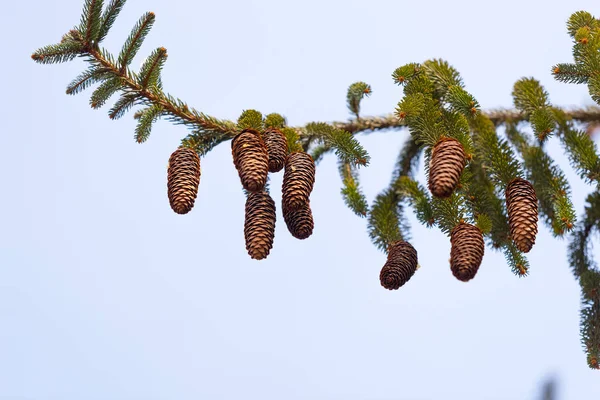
[
  {"x": 255, "y": 154},
  {"x": 448, "y": 160}
]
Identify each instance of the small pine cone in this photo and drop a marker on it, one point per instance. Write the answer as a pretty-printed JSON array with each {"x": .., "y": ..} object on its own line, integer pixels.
[
  {"x": 522, "y": 207},
  {"x": 250, "y": 159},
  {"x": 259, "y": 225},
  {"x": 299, "y": 221},
  {"x": 276, "y": 148},
  {"x": 400, "y": 266},
  {"x": 466, "y": 252},
  {"x": 298, "y": 180},
  {"x": 446, "y": 166},
  {"x": 183, "y": 178}
]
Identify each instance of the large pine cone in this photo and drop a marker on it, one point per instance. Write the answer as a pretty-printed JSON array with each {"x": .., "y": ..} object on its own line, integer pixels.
[
  {"x": 299, "y": 221},
  {"x": 183, "y": 178},
  {"x": 259, "y": 225},
  {"x": 466, "y": 252},
  {"x": 298, "y": 180},
  {"x": 522, "y": 207},
  {"x": 276, "y": 148},
  {"x": 445, "y": 167},
  {"x": 250, "y": 159},
  {"x": 400, "y": 266}
]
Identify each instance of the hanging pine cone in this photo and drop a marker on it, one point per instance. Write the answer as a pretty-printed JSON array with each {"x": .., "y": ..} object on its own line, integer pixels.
[
  {"x": 466, "y": 252},
  {"x": 298, "y": 179},
  {"x": 522, "y": 207},
  {"x": 183, "y": 178},
  {"x": 400, "y": 266},
  {"x": 259, "y": 225},
  {"x": 446, "y": 166},
  {"x": 250, "y": 159},
  {"x": 299, "y": 221},
  {"x": 276, "y": 148}
]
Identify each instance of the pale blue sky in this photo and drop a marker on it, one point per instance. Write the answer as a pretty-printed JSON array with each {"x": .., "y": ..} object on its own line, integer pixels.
[{"x": 105, "y": 293}]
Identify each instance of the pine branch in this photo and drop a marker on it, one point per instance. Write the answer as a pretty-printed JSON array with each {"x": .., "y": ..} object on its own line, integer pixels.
[
  {"x": 135, "y": 40},
  {"x": 385, "y": 223},
  {"x": 550, "y": 184},
  {"x": 147, "y": 117},
  {"x": 58, "y": 53},
  {"x": 150, "y": 72},
  {"x": 105, "y": 91},
  {"x": 416, "y": 197},
  {"x": 351, "y": 192},
  {"x": 91, "y": 21},
  {"x": 108, "y": 18},
  {"x": 356, "y": 92},
  {"x": 86, "y": 79},
  {"x": 346, "y": 147}
]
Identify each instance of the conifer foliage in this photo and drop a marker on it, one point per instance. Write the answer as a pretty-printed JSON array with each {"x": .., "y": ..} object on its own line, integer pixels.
[{"x": 489, "y": 180}]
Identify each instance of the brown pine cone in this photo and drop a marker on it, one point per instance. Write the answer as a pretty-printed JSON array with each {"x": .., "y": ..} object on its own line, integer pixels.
[
  {"x": 183, "y": 178},
  {"x": 466, "y": 252},
  {"x": 298, "y": 180},
  {"x": 445, "y": 167},
  {"x": 276, "y": 148},
  {"x": 259, "y": 225},
  {"x": 250, "y": 159},
  {"x": 400, "y": 266},
  {"x": 299, "y": 221},
  {"x": 522, "y": 207}
]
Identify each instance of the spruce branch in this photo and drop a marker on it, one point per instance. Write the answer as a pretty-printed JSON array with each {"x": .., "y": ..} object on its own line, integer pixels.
[
  {"x": 550, "y": 183},
  {"x": 150, "y": 72},
  {"x": 356, "y": 92},
  {"x": 351, "y": 192},
  {"x": 135, "y": 40},
  {"x": 346, "y": 147},
  {"x": 108, "y": 18},
  {"x": 146, "y": 118},
  {"x": 386, "y": 222},
  {"x": 91, "y": 21}
]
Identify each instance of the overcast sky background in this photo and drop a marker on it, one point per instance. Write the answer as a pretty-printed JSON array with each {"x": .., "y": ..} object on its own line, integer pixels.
[{"x": 106, "y": 293}]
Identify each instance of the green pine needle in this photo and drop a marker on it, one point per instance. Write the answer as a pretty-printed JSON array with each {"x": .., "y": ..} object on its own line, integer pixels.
[
  {"x": 105, "y": 91},
  {"x": 108, "y": 18},
  {"x": 146, "y": 118},
  {"x": 346, "y": 147},
  {"x": 123, "y": 105},
  {"x": 58, "y": 53},
  {"x": 417, "y": 197},
  {"x": 529, "y": 95},
  {"x": 135, "y": 40},
  {"x": 251, "y": 119},
  {"x": 86, "y": 79},
  {"x": 150, "y": 72},
  {"x": 351, "y": 192},
  {"x": 385, "y": 220},
  {"x": 406, "y": 73},
  {"x": 570, "y": 73},
  {"x": 356, "y": 92},
  {"x": 293, "y": 139},
  {"x": 275, "y": 120},
  {"x": 91, "y": 20}
]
